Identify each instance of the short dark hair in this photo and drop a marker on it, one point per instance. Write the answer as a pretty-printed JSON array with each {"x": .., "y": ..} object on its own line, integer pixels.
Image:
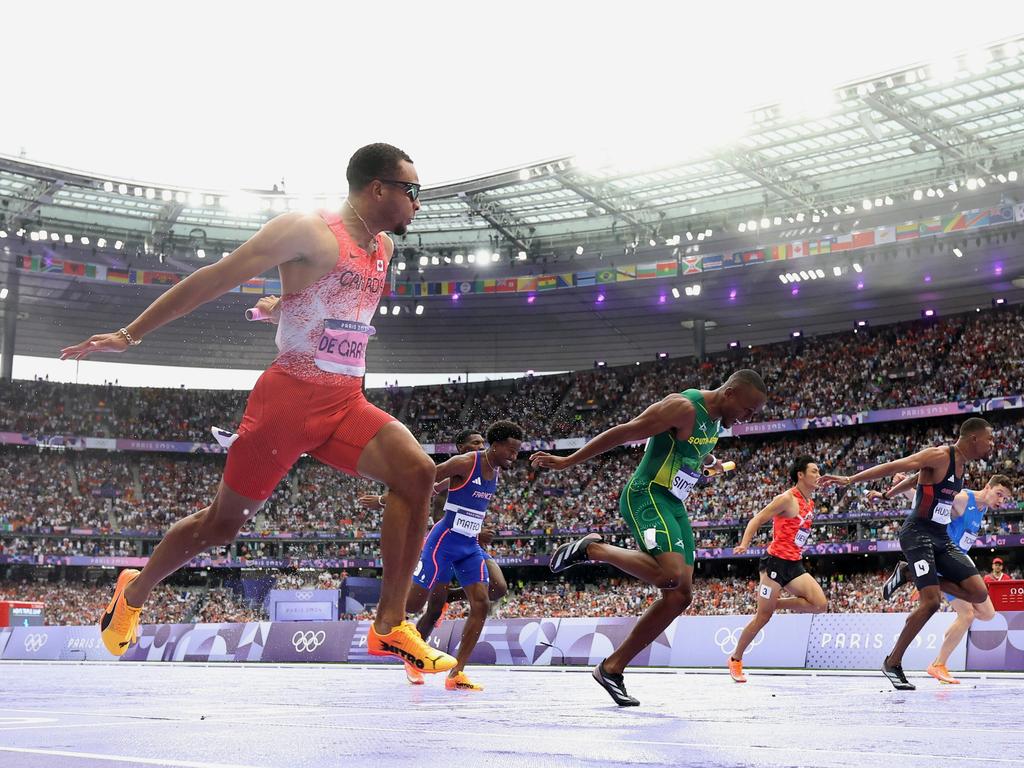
[
  {"x": 504, "y": 430},
  {"x": 750, "y": 378},
  {"x": 374, "y": 161},
  {"x": 1002, "y": 480},
  {"x": 972, "y": 425},
  {"x": 800, "y": 465},
  {"x": 463, "y": 437}
]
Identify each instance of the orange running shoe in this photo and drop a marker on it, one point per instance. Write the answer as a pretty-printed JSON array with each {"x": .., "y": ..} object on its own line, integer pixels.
[
  {"x": 736, "y": 671},
  {"x": 119, "y": 625},
  {"x": 404, "y": 643},
  {"x": 941, "y": 673},
  {"x": 413, "y": 675},
  {"x": 461, "y": 683}
]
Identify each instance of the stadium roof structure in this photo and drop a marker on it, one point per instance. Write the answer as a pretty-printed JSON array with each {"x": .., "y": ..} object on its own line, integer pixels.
[{"x": 903, "y": 144}]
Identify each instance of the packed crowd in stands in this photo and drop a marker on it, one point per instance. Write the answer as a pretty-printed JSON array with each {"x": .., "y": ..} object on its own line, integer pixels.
[
  {"x": 41, "y": 492},
  {"x": 117, "y": 495},
  {"x": 961, "y": 358}
]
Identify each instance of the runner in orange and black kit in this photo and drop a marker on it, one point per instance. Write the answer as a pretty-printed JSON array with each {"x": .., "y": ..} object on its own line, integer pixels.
[
  {"x": 939, "y": 565},
  {"x": 791, "y": 514}
]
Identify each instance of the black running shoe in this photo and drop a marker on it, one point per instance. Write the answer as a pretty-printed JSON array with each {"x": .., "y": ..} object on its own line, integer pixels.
[
  {"x": 615, "y": 687},
  {"x": 895, "y": 674},
  {"x": 573, "y": 553},
  {"x": 896, "y": 579}
]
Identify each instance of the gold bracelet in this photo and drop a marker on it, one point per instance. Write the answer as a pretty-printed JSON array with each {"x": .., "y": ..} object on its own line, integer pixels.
[
  {"x": 128, "y": 337},
  {"x": 380, "y": 500}
]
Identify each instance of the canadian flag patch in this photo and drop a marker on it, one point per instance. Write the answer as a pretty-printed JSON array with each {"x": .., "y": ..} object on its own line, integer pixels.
[{"x": 380, "y": 265}]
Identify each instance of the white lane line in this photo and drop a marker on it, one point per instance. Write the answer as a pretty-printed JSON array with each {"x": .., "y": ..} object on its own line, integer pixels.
[
  {"x": 62, "y": 726},
  {"x": 125, "y": 758},
  {"x": 589, "y": 738}
]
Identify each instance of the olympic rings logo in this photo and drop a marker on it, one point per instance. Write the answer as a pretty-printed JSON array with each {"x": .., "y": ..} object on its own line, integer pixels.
[
  {"x": 727, "y": 639},
  {"x": 304, "y": 595},
  {"x": 307, "y": 642},
  {"x": 35, "y": 642}
]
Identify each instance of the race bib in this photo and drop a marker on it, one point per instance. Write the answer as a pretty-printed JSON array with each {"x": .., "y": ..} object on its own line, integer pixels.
[
  {"x": 967, "y": 540},
  {"x": 942, "y": 514},
  {"x": 342, "y": 347},
  {"x": 802, "y": 535},
  {"x": 468, "y": 522},
  {"x": 684, "y": 482}
]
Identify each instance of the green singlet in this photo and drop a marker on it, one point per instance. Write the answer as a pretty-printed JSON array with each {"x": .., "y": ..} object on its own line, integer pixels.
[{"x": 652, "y": 501}]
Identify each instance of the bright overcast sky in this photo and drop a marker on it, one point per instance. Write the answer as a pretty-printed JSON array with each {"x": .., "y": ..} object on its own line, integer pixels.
[{"x": 233, "y": 95}]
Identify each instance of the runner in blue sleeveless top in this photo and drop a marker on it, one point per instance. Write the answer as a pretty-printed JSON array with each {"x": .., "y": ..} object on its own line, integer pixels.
[
  {"x": 452, "y": 543},
  {"x": 967, "y": 514},
  {"x": 923, "y": 537}
]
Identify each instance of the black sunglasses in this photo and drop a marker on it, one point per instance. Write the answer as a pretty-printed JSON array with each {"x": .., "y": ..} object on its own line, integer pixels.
[{"x": 412, "y": 189}]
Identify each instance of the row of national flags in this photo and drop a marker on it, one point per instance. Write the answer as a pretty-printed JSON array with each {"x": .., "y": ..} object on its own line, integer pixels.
[{"x": 932, "y": 226}]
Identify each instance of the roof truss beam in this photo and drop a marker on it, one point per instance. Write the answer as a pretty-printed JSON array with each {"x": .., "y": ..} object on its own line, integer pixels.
[{"x": 970, "y": 153}]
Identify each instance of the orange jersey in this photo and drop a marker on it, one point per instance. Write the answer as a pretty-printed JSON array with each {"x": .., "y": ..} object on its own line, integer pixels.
[{"x": 790, "y": 534}]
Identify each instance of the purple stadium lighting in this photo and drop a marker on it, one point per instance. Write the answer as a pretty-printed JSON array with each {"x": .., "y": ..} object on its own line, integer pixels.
[
  {"x": 733, "y": 344},
  {"x": 662, "y": 355},
  {"x": 927, "y": 313},
  {"x": 927, "y": 278},
  {"x": 600, "y": 298},
  {"x": 531, "y": 298},
  {"x": 732, "y": 295},
  {"x": 794, "y": 291},
  {"x": 455, "y": 297},
  {"x": 860, "y": 285},
  {"x": 661, "y": 299},
  {"x": 999, "y": 268}
]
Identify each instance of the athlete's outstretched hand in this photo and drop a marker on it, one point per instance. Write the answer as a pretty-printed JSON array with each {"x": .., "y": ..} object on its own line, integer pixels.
[
  {"x": 369, "y": 502},
  {"x": 875, "y": 496},
  {"x": 739, "y": 549},
  {"x": 549, "y": 461},
  {"x": 103, "y": 342},
  {"x": 826, "y": 480},
  {"x": 270, "y": 306}
]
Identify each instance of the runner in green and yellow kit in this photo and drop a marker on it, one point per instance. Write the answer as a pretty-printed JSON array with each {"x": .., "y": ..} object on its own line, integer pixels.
[{"x": 681, "y": 431}]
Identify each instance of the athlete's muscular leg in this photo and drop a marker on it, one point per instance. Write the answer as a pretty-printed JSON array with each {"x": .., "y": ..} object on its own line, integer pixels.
[
  {"x": 927, "y": 605},
  {"x": 664, "y": 571},
  {"x": 417, "y": 597},
  {"x": 807, "y": 596},
  {"x": 498, "y": 587},
  {"x": 215, "y": 525},
  {"x": 957, "y": 630},
  {"x": 767, "y": 599},
  {"x": 496, "y": 590},
  {"x": 479, "y": 605},
  {"x": 656, "y": 618},
  {"x": 435, "y": 604},
  {"x": 394, "y": 458}
]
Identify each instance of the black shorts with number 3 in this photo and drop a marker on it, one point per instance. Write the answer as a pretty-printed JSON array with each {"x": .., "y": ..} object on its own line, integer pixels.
[
  {"x": 781, "y": 571},
  {"x": 932, "y": 555}
]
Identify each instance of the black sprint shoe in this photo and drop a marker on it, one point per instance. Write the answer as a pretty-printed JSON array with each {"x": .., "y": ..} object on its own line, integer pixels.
[
  {"x": 573, "y": 553},
  {"x": 615, "y": 686},
  {"x": 896, "y": 579},
  {"x": 895, "y": 674}
]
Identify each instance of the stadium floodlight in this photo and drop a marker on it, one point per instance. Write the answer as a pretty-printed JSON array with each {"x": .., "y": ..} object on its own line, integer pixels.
[{"x": 419, "y": 309}]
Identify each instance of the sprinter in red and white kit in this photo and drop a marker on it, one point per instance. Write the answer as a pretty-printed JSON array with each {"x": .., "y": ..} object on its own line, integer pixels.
[
  {"x": 333, "y": 270},
  {"x": 791, "y": 513}
]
